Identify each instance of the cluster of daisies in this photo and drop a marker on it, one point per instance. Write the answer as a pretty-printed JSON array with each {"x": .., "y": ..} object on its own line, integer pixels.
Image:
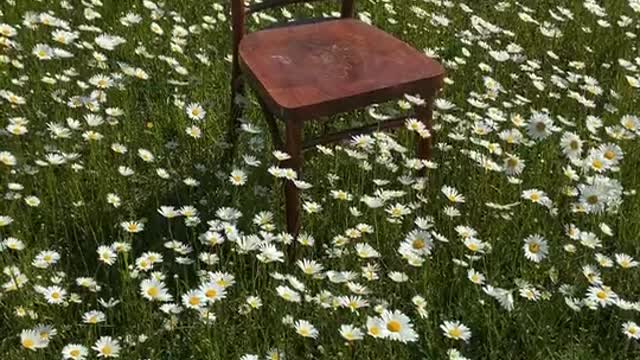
[{"x": 528, "y": 110}]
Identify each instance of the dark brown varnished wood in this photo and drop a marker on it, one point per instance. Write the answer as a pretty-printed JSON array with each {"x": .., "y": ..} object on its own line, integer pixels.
[
  {"x": 273, "y": 126},
  {"x": 303, "y": 71},
  {"x": 348, "y": 9},
  {"x": 293, "y": 146},
  {"x": 424, "y": 113},
  {"x": 319, "y": 69},
  {"x": 237, "y": 87}
]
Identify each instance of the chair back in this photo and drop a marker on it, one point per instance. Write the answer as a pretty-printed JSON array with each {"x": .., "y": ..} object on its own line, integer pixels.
[{"x": 239, "y": 11}]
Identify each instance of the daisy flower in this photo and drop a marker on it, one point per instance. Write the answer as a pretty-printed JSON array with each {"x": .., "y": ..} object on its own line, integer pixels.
[
  {"x": 631, "y": 330},
  {"x": 154, "y": 290},
  {"x": 238, "y": 177},
  {"x": 212, "y": 291},
  {"x": 305, "y": 329},
  {"x": 195, "y": 111},
  {"x": 351, "y": 333},
  {"x": 193, "y": 131},
  {"x": 132, "y": 226},
  {"x": 398, "y": 326},
  {"x": 456, "y": 330},
  {"x": 43, "y": 52},
  {"x": 5, "y": 220},
  {"x": 288, "y": 294},
  {"x": 625, "y": 261},
  {"x": 452, "y": 194},
  {"x": 146, "y": 155},
  {"x": 75, "y": 352},
  {"x": 352, "y": 302},
  {"x": 93, "y": 317},
  {"x": 309, "y": 267},
  {"x": 535, "y": 248},
  {"x": 31, "y": 340},
  {"x": 536, "y": 196},
  {"x": 7, "y": 158},
  {"x": 106, "y": 255},
  {"x": 376, "y": 327},
  {"x": 194, "y": 299},
  {"x": 602, "y": 295},
  {"x": 475, "y": 277},
  {"x": 107, "y": 347},
  {"x": 54, "y": 294}
]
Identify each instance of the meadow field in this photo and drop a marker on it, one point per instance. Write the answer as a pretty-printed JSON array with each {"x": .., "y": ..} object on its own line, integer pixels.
[{"x": 125, "y": 234}]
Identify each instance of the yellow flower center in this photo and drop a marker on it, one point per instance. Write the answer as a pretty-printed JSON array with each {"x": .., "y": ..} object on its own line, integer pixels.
[
  {"x": 394, "y": 326},
  {"x": 629, "y": 125},
  {"x": 609, "y": 155},
  {"x": 55, "y": 295},
  {"x": 211, "y": 293},
  {"x": 375, "y": 331},
  {"x": 418, "y": 244},
  {"x": 28, "y": 343},
  {"x": 153, "y": 292},
  {"x": 574, "y": 145},
  {"x": 455, "y": 333},
  {"x": 194, "y": 301},
  {"x": 74, "y": 353},
  {"x": 597, "y": 164},
  {"x": 534, "y": 248},
  {"x": 534, "y": 197},
  {"x": 601, "y": 295},
  {"x": 107, "y": 351}
]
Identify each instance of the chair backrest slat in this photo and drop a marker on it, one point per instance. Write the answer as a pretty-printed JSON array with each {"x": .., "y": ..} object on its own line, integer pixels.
[{"x": 269, "y": 4}]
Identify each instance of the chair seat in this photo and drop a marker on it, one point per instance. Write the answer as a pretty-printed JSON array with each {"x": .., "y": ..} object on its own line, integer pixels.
[{"x": 319, "y": 69}]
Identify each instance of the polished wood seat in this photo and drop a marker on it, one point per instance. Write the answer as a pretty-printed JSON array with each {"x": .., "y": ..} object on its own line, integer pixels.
[{"x": 308, "y": 71}]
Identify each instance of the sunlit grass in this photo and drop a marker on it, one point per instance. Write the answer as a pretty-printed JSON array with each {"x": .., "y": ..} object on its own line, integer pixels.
[{"x": 120, "y": 219}]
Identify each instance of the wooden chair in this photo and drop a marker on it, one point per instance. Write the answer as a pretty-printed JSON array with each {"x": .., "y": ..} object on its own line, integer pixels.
[{"x": 304, "y": 71}]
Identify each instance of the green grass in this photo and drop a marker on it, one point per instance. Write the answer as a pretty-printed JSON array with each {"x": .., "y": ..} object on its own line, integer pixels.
[{"x": 74, "y": 217}]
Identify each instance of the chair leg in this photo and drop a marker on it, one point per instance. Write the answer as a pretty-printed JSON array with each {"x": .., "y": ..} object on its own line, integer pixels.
[
  {"x": 237, "y": 87},
  {"x": 273, "y": 126},
  {"x": 424, "y": 113},
  {"x": 292, "y": 193}
]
